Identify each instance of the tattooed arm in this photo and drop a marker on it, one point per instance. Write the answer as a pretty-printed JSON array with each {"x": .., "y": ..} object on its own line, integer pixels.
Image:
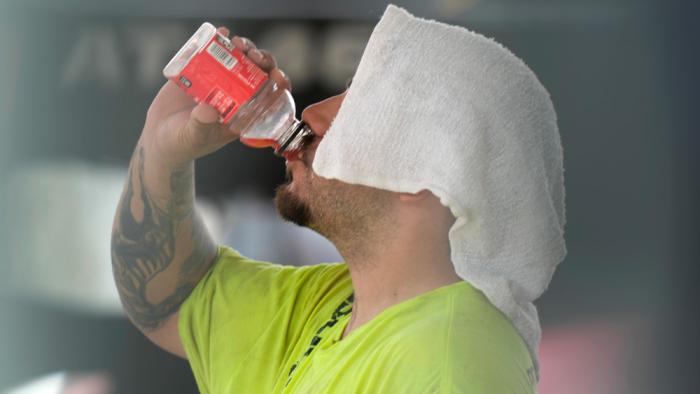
[{"x": 160, "y": 247}]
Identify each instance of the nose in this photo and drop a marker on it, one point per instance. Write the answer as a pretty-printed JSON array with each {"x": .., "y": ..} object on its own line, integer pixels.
[{"x": 319, "y": 116}]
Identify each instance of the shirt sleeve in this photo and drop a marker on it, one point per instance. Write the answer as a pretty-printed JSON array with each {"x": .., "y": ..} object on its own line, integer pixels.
[{"x": 244, "y": 315}]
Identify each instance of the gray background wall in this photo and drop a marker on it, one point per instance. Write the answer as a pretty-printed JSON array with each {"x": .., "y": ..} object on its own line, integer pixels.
[{"x": 621, "y": 75}]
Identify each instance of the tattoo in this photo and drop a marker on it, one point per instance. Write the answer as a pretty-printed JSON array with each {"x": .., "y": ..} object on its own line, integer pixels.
[{"x": 145, "y": 245}]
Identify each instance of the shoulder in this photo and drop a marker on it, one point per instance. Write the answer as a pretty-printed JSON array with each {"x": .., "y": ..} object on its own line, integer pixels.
[
  {"x": 464, "y": 344},
  {"x": 230, "y": 265}
]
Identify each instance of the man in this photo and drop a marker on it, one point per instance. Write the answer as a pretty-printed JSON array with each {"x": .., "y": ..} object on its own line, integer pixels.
[{"x": 398, "y": 314}]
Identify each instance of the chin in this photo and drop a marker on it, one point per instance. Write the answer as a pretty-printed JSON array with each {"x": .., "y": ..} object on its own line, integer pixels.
[{"x": 291, "y": 207}]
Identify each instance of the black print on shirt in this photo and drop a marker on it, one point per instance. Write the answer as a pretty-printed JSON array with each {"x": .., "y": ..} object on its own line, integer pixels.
[{"x": 343, "y": 309}]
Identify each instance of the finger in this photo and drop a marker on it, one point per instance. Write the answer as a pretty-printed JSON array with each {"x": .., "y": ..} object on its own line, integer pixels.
[
  {"x": 258, "y": 58},
  {"x": 281, "y": 79},
  {"x": 242, "y": 43},
  {"x": 263, "y": 59},
  {"x": 269, "y": 58},
  {"x": 223, "y": 30}
]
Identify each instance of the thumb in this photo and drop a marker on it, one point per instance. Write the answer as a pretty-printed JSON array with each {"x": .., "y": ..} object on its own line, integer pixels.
[
  {"x": 204, "y": 114},
  {"x": 204, "y": 125},
  {"x": 202, "y": 130}
]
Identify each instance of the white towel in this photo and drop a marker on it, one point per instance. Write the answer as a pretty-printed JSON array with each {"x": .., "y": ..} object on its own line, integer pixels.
[{"x": 438, "y": 107}]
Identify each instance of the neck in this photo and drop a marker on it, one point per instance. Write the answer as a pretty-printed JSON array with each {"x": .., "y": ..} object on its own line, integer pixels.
[{"x": 395, "y": 266}]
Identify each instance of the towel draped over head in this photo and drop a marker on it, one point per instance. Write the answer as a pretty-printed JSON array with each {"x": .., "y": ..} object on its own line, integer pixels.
[{"x": 438, "y": 107}]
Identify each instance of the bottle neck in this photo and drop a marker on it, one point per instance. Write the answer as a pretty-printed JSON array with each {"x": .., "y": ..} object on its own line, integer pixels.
[{"x": 291, "y": 139}]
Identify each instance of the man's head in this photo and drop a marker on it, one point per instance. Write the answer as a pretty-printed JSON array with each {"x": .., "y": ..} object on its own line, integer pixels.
[
  {"x": 347, "y": 214},
  {"x": 335, "y": 209},
  {"x": 478, "y": 130}
]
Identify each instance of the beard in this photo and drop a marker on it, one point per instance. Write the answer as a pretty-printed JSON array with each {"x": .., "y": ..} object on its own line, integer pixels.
[
  {"x": 346, "y": 214},
  {"x": 290, "y": 206},
  {"x": 349, "y": 216}
]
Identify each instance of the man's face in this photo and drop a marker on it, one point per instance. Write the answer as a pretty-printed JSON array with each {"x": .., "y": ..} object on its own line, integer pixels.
[
  {"x": 328, "y": 206},
  {"x": 292, "y": 197}
]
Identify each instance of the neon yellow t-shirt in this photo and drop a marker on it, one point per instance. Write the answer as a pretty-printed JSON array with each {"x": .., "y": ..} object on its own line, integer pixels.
[{"x": 258, "y": 327}]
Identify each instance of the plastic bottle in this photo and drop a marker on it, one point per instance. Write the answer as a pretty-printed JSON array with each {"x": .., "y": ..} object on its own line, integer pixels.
[{"x": 211, "y": 69}]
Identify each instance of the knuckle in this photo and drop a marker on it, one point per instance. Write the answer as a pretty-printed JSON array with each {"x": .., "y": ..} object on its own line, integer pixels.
[
  {"x": 268, "y": 57},
  {"x": 248, "y": 43}
]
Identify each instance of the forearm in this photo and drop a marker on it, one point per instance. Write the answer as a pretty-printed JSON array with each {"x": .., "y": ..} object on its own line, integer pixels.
[{"x": 160, "y": 246}]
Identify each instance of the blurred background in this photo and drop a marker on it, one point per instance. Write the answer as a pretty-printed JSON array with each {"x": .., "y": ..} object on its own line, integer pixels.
[{"x": 620, "y": 315}]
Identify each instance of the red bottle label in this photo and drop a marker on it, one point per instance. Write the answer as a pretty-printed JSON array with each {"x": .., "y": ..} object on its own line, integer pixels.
[{"x": 221, "y": 76}]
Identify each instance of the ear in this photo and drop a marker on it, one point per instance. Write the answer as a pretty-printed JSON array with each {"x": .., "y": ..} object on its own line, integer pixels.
[{"x": 410, "y": 197}]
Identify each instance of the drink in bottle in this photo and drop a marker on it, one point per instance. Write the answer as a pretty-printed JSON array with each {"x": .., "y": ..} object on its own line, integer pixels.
[{"x": 211, "y": 69}]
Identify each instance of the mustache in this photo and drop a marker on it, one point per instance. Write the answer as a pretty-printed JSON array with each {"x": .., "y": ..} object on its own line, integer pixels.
[
  {"x": 306, "y": 141},
  {"x": 304, "y": 146}
]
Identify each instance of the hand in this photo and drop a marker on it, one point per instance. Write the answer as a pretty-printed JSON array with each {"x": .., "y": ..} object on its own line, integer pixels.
[{"x": 180, "y": 130}]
